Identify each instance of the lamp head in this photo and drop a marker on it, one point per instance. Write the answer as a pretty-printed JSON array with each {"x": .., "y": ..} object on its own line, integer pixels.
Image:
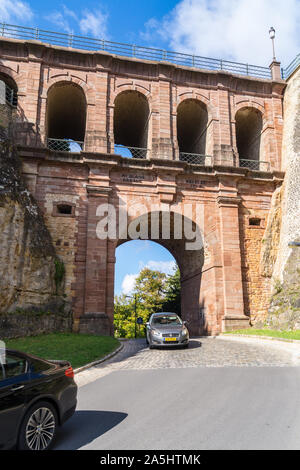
[{"x": 272, "y": 32}]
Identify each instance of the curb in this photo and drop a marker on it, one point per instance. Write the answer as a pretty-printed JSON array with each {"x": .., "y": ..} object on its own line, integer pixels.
[
  {"x": 99, "y": 361},
  {"x": 270, "y": 338}
]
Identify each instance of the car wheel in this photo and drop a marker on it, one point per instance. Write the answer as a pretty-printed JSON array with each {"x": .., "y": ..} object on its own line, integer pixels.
[{"x": 39, "y": 426}]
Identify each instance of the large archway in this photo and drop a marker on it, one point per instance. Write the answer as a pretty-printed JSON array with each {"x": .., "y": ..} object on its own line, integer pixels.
[{"x": 183, "y": 239}]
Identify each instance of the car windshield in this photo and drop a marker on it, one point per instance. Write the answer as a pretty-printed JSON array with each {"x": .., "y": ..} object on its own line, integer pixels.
[{"x": 166, "y": 320}]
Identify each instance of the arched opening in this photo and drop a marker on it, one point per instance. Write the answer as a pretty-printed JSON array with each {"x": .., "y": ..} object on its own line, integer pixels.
[
  {"x": 248, "y": 137},
  {"x": 8, "y": 90},
  {"x": 163, "y": 230},
  {"x": 8, "y": 102},
  {"x": 66, "y": 117},
  {"x": 131, "y": 122},
  {"x": 150, "y": 283},
  {"x": 192, "y": 119}
]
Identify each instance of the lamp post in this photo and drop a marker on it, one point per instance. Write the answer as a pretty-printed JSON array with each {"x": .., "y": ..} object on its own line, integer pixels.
[{"x": 272, "y": 37}]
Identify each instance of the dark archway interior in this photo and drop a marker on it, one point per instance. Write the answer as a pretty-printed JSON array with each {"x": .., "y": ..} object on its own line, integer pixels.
[
  {"x": 131, "y": 118},
  {"x": 248, "y": 133},
  {"x": 66, "y": 112},
  {"x": 8, "y": 90},
  {"x": 192, "y": 121}
]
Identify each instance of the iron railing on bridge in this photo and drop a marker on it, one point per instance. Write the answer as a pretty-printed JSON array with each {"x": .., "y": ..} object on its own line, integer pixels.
[
  {"x": 132, "y": 50},
  {"x": 64, "y": 145},
  {"x": 285, "y": 73},
  {"x": 132, "y": 152},
  {"x": 196, "y": 159},
  {"x": 257, "y": 165}
]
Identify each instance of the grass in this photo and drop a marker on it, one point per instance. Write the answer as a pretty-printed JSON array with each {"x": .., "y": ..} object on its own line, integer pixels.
[
  {"x": 266, "y": 332},
  {"x": 76, "y": 348}
]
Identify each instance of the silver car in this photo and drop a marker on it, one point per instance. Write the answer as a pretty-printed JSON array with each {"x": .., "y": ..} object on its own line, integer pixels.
[{"x": 166, "y": 329}]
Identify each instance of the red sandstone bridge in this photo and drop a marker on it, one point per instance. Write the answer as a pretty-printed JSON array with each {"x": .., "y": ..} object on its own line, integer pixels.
[{"x": 197, "y": 131}]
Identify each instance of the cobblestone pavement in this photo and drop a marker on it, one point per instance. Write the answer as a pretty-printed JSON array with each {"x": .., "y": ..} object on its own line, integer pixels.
[{"x": 202, "y": 352}]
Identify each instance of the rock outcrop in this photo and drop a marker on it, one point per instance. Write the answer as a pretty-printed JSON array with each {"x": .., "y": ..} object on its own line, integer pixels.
[
  {"x": 284, "y": 311},
  {"x": 30, "y": 272}
]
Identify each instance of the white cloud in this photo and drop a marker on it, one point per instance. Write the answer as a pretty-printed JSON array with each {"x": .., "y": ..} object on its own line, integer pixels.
[
  {"x": 128, "y": 283},
  {"x": 89, "y": 22},
  {"x": 232, "y": 29},
  {"x": 94, "y": 23},
  {"x": 11, "y": 11},
  {"x": 166, "y": 267}
]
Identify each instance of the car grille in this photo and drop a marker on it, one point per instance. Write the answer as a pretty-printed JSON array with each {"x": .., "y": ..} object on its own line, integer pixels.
[{"x": 170, "y": 335}]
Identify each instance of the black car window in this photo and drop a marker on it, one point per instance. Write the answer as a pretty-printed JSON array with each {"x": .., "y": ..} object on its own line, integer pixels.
[
  {"x": 166, "y": 320},
  {"x": 15, "y": 366},
  {"x": 38, "y": 366}
]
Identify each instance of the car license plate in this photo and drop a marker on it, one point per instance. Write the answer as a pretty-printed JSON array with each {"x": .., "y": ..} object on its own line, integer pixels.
[{"x": 170, "y": 339}]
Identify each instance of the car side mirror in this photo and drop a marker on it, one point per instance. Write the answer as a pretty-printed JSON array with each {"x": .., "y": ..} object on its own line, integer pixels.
[{"x": 185, "y": 322}]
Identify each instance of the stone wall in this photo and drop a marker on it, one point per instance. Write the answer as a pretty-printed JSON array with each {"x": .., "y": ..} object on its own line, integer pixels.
[
  {"x": 27, "y": 257},
  {"x": 18, "y": 325}
]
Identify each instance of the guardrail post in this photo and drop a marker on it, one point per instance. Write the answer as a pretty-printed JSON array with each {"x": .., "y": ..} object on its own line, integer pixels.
[{"x": 3, "y": 29}]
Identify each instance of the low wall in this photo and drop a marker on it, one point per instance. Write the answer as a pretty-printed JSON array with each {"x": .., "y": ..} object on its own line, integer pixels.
[{"x": 16, "y": 325}]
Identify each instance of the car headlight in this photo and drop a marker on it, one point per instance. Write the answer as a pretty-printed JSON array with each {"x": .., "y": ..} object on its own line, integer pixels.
[
  {"x": 155, "y": 332},
  {"x": 184, "y": 332}
]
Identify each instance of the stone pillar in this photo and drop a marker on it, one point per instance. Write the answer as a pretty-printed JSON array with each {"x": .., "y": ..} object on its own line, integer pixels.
[
  {"x": 95, "y": 319},
  {"x": 223, "y": 152},
  {"x": 234, "y": 317},
  {"x": 162, "y": 145},
  {"x": 275, "y": 70}
]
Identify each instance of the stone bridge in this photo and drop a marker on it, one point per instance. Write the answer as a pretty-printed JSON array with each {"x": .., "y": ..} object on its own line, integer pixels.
[{"x": 149, "y": 138}]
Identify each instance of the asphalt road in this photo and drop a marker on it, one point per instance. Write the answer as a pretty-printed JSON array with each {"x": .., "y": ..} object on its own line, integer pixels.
[{"x": 231, "y": 407}]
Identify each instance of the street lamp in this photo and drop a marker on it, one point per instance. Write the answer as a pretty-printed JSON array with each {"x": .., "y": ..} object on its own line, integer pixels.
[{"x": 272, "y": 37}]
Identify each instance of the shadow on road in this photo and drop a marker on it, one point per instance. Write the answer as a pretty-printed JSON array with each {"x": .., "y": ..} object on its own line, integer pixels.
[{"x": 85, "y": 426}]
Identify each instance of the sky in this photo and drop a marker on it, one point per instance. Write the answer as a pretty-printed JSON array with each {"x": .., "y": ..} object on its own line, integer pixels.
[
  {"x": 229, "y": 29},
  {"x": 142, "y": 254}
]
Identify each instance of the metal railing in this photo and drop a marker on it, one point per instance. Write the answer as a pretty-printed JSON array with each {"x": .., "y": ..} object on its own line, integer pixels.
[
  {"x": 64, "y": 145},
  {"x": 254, "y": 165},
  {"x": 285, "y": 73},
  {"x": 196, "y": 159},
  {"x": 131, "y": 152},
  {"x": 132, "y": 50}
]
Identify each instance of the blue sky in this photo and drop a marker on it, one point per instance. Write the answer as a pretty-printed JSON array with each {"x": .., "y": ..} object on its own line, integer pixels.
[
  {"x": 228, "y": 29},
  {"x": 141, "y": 253}
]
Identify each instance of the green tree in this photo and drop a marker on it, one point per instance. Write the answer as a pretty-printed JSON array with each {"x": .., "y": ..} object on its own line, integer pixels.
[
  {"x": 154, "y": 291},
  {"x": 172, "y": 302}
]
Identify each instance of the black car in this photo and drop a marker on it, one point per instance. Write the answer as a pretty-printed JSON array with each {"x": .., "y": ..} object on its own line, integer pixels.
[{"x": 36, "y": 396}]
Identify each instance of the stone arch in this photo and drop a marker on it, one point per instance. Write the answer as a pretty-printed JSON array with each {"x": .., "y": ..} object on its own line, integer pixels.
[
  {"x": 88, "y": 91},
  {"x": 249, "y": 123},
  {"x": 212, "y": 111},
  {"x": 131, "y": 87},
  {"x": 8, "y": 86},
  {"x": 65, "y": 113},
  {"x": 192, "y": 124},
  {"x": 131, "y": 121},
  {"x": 190, "y": 262}
]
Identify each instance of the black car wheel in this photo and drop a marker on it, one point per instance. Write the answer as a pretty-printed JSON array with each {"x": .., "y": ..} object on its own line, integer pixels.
[{"x": 39, "y": 427}]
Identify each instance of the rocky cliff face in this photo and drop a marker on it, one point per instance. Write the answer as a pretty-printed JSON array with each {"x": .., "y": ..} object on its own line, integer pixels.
[
  {"x": 30, "y": 272},
  {"x": 284, "y": 311}
]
